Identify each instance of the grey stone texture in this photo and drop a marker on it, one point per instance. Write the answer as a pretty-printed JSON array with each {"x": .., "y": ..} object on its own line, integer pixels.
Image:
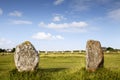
[
  {"x": 26, "y": 57},
  {"x": 94, "y": 55}
]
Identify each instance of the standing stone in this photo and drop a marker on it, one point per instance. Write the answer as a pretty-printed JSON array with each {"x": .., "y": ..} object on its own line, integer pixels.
[
  {"x": 26, "y": 57},
  {"x": 94, "y": 55}
]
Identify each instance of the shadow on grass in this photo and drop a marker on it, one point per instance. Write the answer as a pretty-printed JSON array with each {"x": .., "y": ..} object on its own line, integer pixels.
[
  {"x": 100, "y": 74},
  {"x": 39, "y": 74},
  {"x": 51, "y": 69},
  {"x": 62, "y": 74}
]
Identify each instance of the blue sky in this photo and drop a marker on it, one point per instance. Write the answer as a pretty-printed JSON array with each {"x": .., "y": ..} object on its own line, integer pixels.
[{"x": 59, "y": 24}]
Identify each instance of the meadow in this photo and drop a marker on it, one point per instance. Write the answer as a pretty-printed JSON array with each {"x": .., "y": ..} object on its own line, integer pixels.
[{"x": 65, "y": 66}]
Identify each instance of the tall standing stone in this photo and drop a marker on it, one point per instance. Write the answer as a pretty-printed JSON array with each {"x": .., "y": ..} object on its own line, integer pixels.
[
  {"x": 94, "y": 55},
  {"x": 26, "y": 57}
]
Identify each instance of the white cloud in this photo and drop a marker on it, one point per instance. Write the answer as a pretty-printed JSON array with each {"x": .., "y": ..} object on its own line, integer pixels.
[
  {"x": 58, "y": 2},
  {"x": 1, "y": 11},
  {"x": 15, "y": 13},
  {"x": 58, "y": 18},
  {"x": 21, "y": 22},
  {"x": 64, "y": 25},
  {"x": 67, "y": 27},
  {"x": 5, "y": 43},
  {"x": 42, "y": 24},
  {"x": 59, "y": 37},
  {"x": 114, "y": 14},
  {"x": 46, "y": 36}
]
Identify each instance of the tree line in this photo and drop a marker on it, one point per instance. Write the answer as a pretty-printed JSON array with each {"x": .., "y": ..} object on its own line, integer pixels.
[{"x": 7, "y": 50}]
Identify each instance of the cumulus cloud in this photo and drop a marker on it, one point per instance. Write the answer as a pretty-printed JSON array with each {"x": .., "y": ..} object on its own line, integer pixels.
[
  {"x": 1, "y": 11},
  {"x": 15, "y": 13},
  {"x": 64, "y": 25},
  {"x": 114, "y": 14},
  {"x": 46, "y": 36},
  {"x": 21, "y": 22},
  {"x": 57, "y": 18},
  {"x": 58, "y": 2},
  {"x": 67, "y": 27}
]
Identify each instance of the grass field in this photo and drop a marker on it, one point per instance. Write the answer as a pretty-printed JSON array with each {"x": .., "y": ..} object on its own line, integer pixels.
[{"x": 61, "y": 67}]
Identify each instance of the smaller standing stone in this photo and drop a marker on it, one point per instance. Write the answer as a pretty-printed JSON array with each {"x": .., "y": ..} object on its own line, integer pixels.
[
  {"x": 26, "y": 57},
  {"x": 94, "y": 55}
]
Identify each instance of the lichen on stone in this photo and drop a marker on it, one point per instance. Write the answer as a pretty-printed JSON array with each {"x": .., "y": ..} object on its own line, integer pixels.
[
  {"x": 26, "y": 42},
  {"x": 94, "y": 55},
  {"x": 26, "y": 57}
]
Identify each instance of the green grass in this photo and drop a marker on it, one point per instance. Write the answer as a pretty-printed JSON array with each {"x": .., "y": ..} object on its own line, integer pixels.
[{"x": 61, "y": 67}]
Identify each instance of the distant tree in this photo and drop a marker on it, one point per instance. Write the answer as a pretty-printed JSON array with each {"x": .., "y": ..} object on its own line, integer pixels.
[
  {"x": 1, "y": 50},
  {"x": 76, "y": 51},
  {"x": 83, "y": 51},
  {"x": 13, "y": 50},
  {"x": 110, "y": 49},
  {"x": 4, "y": 50}
]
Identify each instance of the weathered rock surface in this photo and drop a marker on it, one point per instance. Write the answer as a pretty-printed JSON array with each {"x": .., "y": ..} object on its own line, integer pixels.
[
  {"x": 94, "y": 55},
  {"x": 26, "y": 57}
]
